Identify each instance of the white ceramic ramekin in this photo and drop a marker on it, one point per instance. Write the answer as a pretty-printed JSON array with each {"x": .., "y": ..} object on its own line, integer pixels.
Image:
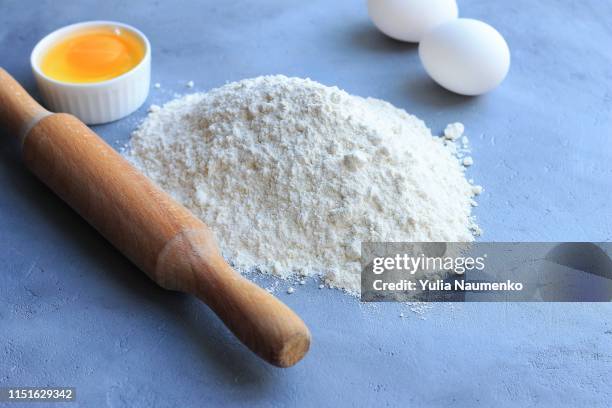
[{"x": 97, "y": 102}]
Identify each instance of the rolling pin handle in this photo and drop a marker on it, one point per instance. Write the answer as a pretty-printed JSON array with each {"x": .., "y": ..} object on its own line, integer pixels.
[{"x": 19, "y": 112}]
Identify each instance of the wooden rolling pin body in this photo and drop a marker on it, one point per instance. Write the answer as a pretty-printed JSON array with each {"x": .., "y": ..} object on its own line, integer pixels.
[{"x": 160, "y": 236}]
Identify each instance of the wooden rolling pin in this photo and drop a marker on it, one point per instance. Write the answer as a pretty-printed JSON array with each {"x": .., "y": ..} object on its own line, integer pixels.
[{"x": 159, "y": 235}]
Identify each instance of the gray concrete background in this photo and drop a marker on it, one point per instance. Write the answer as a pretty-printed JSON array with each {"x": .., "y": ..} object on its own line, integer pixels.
[{"x": 74, "y": 312}]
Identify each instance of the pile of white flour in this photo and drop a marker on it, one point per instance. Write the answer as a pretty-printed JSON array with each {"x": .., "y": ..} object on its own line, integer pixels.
[{"x": 292, "y": 175}]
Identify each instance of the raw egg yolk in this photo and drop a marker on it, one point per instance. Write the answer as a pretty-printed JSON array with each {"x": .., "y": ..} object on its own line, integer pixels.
[{"x": 93, "y": 55}]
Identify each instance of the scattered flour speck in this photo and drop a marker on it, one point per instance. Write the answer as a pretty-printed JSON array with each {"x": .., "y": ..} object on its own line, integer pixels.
[{"x": 454, "y": 131}]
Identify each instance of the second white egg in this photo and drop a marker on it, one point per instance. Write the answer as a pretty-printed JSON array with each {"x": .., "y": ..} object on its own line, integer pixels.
[{"x": 465, "y": 56}]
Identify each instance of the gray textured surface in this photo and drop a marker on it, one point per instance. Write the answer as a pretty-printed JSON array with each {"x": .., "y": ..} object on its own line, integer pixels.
[{"x": 74, "y": 312}]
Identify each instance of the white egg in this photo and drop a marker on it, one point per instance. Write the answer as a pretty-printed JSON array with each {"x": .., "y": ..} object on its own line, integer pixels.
[
  {"x": 465, "y": 56},
  {"x": 409, "y": 20}
]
